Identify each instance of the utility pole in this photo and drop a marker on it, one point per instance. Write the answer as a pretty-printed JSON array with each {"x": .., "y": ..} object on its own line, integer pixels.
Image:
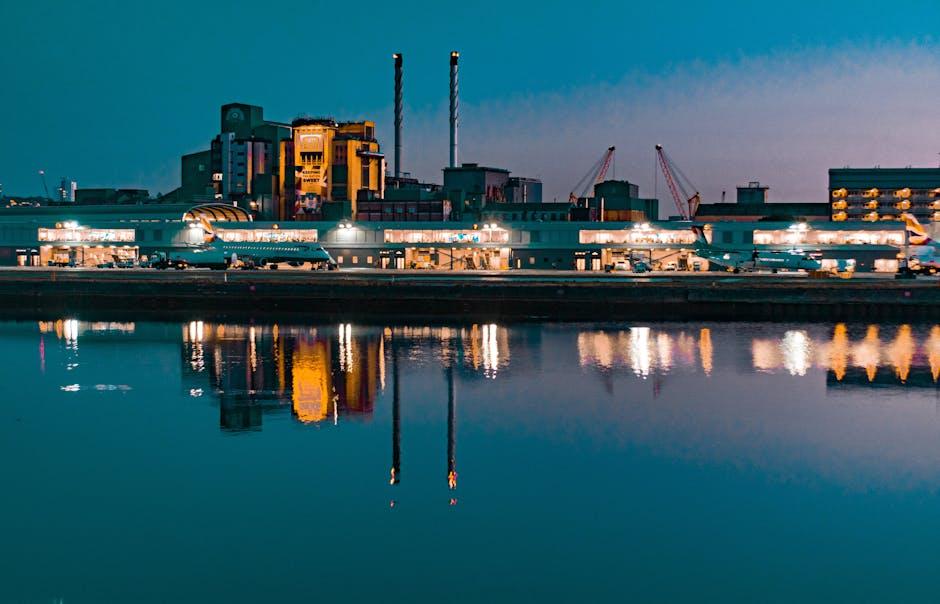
[{"x": 45, "y": 187}]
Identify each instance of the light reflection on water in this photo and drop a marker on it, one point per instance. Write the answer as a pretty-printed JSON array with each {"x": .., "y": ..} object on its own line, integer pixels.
[
  {"x": 319, "y": 368},
  {"x": 627, "y": 443}
]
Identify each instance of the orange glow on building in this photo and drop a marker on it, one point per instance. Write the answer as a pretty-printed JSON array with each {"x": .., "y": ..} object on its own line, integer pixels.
[{"x": 337, "y": 161}]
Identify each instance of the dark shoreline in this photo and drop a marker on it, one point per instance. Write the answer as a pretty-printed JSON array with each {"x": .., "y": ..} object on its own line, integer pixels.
[{"x": 361, "y": 296}]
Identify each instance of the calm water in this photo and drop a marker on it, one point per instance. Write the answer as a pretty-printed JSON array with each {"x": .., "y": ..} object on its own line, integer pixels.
[{"x": 202, "y": 462}]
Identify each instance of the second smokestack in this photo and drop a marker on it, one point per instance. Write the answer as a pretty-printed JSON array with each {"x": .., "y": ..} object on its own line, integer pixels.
[
  {"x": 398, "y": 113},
  {"x": 454, "y": 56}
]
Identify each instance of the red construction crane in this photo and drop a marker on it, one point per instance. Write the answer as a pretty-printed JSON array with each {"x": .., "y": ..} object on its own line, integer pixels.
[
  {"x": 595, "y": 175},
  {"x": 679, "y": 186}
]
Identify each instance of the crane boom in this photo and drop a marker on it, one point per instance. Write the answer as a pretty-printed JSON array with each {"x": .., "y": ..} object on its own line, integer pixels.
[
  {"x": 679, "y": 185},
  {"x": 596, "y": 174},
  {"x": 608, "y": 159}
]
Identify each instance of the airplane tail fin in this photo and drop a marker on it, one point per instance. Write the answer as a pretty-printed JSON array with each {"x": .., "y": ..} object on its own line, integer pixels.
[
  {"x": 207, "y": 229},
  {"x": 916, "y": 233},
  {"x": 699, "y": 235}
]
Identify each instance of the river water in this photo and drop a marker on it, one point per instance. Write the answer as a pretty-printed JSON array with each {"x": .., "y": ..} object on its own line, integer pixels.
[{"x": 226, "y": 462}]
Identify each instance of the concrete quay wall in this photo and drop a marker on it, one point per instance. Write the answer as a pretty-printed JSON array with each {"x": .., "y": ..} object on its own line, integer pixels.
[{"x": 321, "y": 295}]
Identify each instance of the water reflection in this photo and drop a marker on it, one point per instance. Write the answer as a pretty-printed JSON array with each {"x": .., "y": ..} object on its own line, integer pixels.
[
  {"x": 324, "y": 376},
  {"x": 871, "y": 354},
  {"x": 900, "y": 354},
  {"x": 572, "y": 438},
  {"x": 318, "y": 374},
  {"x": 325, "y": 373}
]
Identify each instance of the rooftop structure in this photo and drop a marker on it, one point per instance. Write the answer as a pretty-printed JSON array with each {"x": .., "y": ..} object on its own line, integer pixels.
[
  {"x": 616, "y": 200},
  {"x": 753, "y": 205},
  {"x": 754, "y": 192}
]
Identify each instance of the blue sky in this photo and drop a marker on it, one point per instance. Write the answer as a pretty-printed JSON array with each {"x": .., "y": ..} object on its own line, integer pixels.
[{"x": 111, "y": 94}]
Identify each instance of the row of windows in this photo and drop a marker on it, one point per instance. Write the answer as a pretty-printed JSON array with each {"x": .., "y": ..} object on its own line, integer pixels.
[
  {"x": 369, "y": 260},
  {"x": 542, "y": 216},
  {"x": 267, "y": 235},
  {"x": 266, "y": 248},
  {"x": 353, "y": 259}
]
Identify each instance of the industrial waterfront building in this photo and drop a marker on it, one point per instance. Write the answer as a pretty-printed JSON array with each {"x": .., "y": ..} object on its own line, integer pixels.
[
  {"x": 94, "y": 235},
  {"x": 335, "y": 162},
  {"x": 322, "y": 180},
  {"x": 249, "y": 163}
]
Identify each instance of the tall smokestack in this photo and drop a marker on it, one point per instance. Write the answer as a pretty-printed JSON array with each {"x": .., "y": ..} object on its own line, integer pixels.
[
  {"x": 454, "y": 56},
  {"x": 398, "y": 114}
]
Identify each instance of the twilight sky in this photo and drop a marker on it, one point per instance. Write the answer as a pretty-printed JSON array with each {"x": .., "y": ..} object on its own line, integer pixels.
[{"x": 111, "y": 94}]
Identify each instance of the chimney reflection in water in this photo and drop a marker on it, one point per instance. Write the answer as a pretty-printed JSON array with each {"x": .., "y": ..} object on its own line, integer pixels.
[
  {"x": 451, "y": 430},
  {"x": 396, "y": 418}
]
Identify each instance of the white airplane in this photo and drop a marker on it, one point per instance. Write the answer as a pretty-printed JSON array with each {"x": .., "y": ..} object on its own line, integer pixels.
[
  {"x": 738, "y": 259},
  {"x": 256, "y": 254},
  {"x": 219, "y": 255},
  {"x": 922, "y": 251},
  {"x": 203, "y": 256}
]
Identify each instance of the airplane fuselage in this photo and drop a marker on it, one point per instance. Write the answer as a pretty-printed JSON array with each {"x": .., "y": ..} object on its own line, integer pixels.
[
  {"x": 274, "y": 253},
  {"x": 221, "y": 255},
  {"x": 744, "y": 260}
]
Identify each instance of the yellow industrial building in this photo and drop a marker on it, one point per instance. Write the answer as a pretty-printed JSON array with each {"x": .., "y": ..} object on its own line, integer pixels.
[{"x": 337, "y": 161}]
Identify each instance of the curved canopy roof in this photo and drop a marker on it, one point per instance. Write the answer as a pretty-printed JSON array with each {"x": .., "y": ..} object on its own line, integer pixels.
[{"x": 217, "y": 212}]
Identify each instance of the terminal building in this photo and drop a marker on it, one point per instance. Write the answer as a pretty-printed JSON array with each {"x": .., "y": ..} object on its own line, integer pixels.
[
  {"x": 95, "y": 235},
  {"x": 883, "y": 194}
]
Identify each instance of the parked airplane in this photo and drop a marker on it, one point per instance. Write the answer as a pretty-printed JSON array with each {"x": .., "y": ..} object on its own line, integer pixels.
[
  {"x": 922, "y": 251},
  {"x": 203, "y": 256},
  {"x": 738, "y": 259},
  {"x": 221, "y": 255},
  {"x": 218, "y": 254}
]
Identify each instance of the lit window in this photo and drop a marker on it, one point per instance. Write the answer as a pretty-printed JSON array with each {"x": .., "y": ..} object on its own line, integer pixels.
[{"x": 339, "y": 260}]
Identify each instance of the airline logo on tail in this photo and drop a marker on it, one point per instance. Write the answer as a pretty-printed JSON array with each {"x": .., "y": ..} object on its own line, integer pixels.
[
  {"x": 700, "y": 235},
  {"x": 207, "y": 229},
  {"x": 916, "y": 234}
]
